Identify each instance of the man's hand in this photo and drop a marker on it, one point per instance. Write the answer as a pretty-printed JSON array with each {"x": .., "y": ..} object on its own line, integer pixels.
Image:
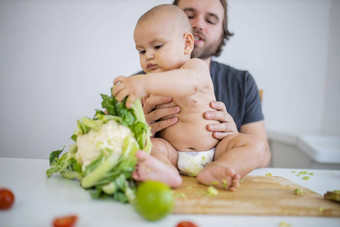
[
  {"x": 153, "y": 115},
  {"x": 227, "y": 125}
]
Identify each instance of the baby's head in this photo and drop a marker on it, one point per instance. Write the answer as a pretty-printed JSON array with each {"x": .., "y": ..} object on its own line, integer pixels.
[{"x": 163, "y": 38}]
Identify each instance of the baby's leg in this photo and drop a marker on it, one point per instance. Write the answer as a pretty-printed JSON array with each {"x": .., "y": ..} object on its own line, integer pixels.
[
  {"x": 235, "y": 156},
  {"x": 160, "y": 165}
]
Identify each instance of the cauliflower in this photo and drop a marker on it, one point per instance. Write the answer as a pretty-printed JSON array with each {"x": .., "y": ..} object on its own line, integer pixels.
[
  {"x": 110, "y": 136},
  {"x": 103, "y": 155}
]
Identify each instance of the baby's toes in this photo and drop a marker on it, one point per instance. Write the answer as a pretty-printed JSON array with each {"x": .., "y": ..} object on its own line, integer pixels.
[
  {"x": 135, "y": 175},
  {"x": 232, "y": 188},
  {"x": 235, "y": 183}
]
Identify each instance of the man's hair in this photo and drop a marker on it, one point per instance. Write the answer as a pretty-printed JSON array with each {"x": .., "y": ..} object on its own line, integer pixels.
[{"x": 226, "y": 33}]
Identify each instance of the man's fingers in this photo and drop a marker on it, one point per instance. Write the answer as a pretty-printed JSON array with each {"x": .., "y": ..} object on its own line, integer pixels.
[
  {"x": 221, "y": 135},
  {"x": 154, "y": 116},
  {"x": 223, "y": 127},
  {"x": 161, "y": 113},
  {"x": 160, "y": 125},
  {"x": 218, "y": 116},
  {"x": 218, "y": 106},
  {"x": 226, "y": 126},
  {"x": 152, "y": 101}
]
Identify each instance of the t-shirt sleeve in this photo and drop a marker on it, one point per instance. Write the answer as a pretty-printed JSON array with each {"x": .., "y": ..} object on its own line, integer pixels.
[
  {"x": 253, "y": 106},
  {"x": 140, "y": 72}
]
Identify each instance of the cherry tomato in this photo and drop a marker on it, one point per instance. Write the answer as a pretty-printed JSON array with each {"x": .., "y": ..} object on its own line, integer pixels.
[
  {"x": 186, "y": 224},
  {"x": 6, "y": 198},
  {"x": 65, "y": 221}
]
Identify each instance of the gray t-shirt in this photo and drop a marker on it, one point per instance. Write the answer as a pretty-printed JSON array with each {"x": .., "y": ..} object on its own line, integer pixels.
[{"x": 238, "y": 90}]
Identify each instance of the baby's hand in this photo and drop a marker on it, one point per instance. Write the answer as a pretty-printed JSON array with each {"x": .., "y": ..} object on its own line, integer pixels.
[{"x": 132, "y": 86}]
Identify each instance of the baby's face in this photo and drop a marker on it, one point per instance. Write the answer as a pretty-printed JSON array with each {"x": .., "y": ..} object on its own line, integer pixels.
[{"x": 160, "y": 45}]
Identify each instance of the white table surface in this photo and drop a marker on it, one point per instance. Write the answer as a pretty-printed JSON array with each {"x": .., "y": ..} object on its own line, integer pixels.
[{"x": 38, "y": 200}]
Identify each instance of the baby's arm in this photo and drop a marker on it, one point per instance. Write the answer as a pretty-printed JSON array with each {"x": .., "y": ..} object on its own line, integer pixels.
[{"x": 193, "y": 76}]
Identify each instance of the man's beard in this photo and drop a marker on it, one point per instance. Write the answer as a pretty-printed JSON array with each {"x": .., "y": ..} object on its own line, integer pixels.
[{"x": 208, "y": 50}]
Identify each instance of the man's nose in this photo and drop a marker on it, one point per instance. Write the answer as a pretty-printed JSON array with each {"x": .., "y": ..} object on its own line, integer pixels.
[{"x": 197, "y": 23}]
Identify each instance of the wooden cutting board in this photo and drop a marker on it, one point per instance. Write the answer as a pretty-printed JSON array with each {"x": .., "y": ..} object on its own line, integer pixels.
[{"x": 256, "y": 195}]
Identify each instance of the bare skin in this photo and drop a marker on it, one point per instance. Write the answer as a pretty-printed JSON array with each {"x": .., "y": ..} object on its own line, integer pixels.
[
  {"x": 160, "y": 163},
  {"x": 221, "y": 175},
  {"x": 150, "y": 167}
]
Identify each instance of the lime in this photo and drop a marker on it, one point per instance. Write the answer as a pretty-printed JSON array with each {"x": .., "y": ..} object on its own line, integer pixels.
[{"x": 154, "y": 200}]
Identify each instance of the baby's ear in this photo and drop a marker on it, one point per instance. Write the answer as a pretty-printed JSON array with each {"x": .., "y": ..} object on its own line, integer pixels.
[{"x": 189, "y": 43}]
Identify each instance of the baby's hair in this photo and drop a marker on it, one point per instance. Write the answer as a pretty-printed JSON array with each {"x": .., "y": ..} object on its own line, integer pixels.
[{"x": 174, "y": 13}]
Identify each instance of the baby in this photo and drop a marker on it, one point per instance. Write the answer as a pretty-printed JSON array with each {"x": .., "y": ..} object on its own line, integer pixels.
[{"x": 164, "y": 41}]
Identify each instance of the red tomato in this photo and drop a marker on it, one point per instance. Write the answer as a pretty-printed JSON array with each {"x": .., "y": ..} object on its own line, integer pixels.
[
  {"x": 6, "y": 198},
  {"x": 65, "y": 221},
  {"x": 186, "y": 224}
]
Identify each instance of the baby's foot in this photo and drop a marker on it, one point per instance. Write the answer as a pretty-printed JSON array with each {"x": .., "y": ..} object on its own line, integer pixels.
[
  {"x": 219, "y": 176},
  {"x": 150, "y": 168}
]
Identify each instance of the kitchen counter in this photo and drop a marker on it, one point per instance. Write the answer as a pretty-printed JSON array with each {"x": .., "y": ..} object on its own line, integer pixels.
[{"x": 38, "y": 200}]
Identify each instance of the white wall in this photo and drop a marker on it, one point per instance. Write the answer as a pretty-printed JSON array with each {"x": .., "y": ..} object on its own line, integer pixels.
[
  {"x": 284, "y": 45},
  {"x": 56, "y": 57},
  {"x": 331, "y": 122}
]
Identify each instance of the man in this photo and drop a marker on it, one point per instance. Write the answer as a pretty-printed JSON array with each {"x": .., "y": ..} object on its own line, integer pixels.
[{"x": 233, "y": 88}]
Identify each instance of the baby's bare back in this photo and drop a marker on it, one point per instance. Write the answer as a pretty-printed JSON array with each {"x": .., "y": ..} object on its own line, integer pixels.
[{"x": 190, "y": 132}]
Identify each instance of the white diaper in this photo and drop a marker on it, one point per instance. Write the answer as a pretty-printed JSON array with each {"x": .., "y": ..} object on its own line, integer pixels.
[{"x": 192, "y": 163}]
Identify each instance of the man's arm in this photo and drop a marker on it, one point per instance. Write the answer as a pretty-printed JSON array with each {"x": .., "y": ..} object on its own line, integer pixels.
[
  {"x": 258, "y": 129},
  {"x": 227, "y": 126}
]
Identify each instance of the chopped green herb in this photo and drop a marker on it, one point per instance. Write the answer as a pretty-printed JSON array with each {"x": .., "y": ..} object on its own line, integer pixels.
[
  {"x": 305, "y": 178},
  {"x": 180, "y": 195},
  {"x": 269, "y": 174},
  {"x": 320, "y": 209},
  {"x": 303, "y": 172},
  {"x": 225, "y": 183},
  {"x": 241, "y": 181},
  {"x": 299, "y": 191},
  {"x": 311, "y": 174},
  {"x": 214, "y": 183},
  {"x": 212, "y": 191},
  {"x": 284, "y": 224},
  {"x": 293, "y": 171}
]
